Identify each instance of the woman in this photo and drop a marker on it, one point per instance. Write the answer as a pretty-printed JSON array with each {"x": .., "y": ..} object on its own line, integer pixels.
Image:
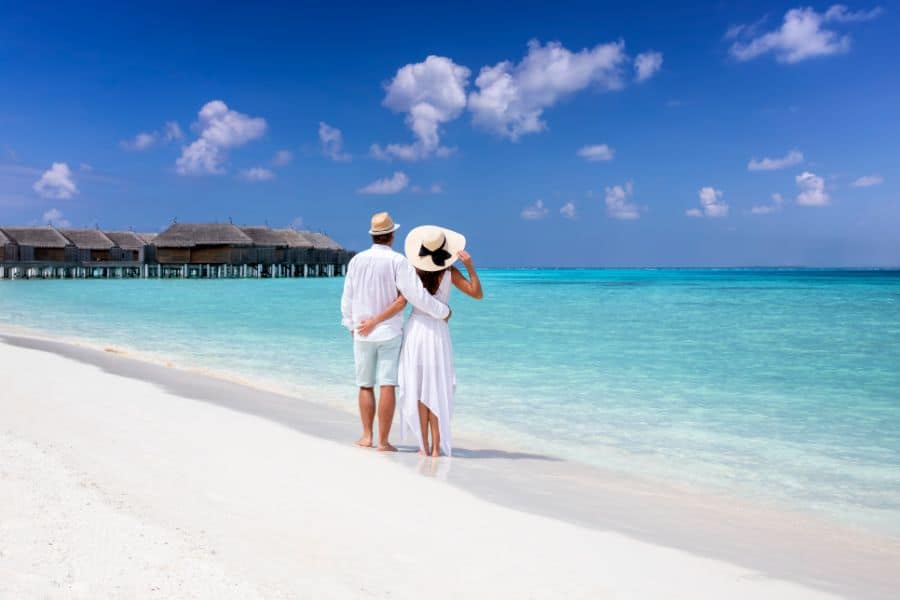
[{"x": 427, "y": 378}]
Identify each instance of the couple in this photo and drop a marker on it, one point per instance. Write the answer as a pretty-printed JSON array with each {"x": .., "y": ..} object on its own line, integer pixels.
[{"x": 377, "y": 287}]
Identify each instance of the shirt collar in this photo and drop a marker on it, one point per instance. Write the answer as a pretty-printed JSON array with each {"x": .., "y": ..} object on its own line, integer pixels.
[{"x": 381, "y": 247}]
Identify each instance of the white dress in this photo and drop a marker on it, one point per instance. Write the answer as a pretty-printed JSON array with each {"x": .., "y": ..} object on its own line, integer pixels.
[{"x": 426, "y": 371}]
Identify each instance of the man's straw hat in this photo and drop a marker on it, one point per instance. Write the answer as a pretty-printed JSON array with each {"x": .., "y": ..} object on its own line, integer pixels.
[
  {"x": 382, "y": 224},
  {"x": 433, "y": 248}
]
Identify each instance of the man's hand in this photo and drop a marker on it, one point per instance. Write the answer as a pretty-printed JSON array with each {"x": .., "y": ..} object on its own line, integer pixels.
[{"x": 366, "y": 327}]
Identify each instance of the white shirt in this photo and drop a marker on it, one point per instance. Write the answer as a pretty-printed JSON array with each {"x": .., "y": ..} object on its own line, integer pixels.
[{"x": 374, "y": 278}]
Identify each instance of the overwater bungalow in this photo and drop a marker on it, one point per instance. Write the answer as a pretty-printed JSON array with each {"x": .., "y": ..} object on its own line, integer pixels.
[
  {"x": 8, "y": 251},
  {"x": 269, "y": 245},
  {"x": 301, "y": 250},
  {"x": 40, "y": 244},
  {"x": 183, "y": 250},
  {"x": 91, "y": 245},
  {"x": 201, "y": 243},
  {"x": 329, "y": 251},
  {"x": 131, "y": 247}
]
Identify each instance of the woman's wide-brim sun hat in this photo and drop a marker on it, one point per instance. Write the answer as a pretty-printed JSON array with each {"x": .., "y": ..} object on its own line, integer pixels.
[{"x": 433, "y": 248}]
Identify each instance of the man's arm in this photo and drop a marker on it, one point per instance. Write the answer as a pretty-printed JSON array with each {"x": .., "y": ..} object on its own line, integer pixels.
[
  {"x": 347, "y": 301},
  {"x": 412, "y": 289}
]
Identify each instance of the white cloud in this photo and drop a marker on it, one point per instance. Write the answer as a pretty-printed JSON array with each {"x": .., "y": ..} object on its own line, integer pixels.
[
  {"x": 511, "y": 98},
  {"x": 617, "y": 204},
  {"x": 202, "y": 156},
  {"x": 297, "y": 223},
  {"x": 745, "y": 30},
  {"x": 142, "y": 141},
  {"x": 646, "y": 64},
  {"x": 389, "y": 185},
  {"x": 841, "y": 14},
  {"x": 220, "y": 129},
  {"x": 812, "y": 190},
  {"x": 172, "y": 131},
  {"x": 794, "y": 157},
  {"x": 282, "y": 158},
  {"x": 868, "y": 181},
  {"x": 434, "y": 188},
  {"x": 257, "y": 174},
  {"x": 568, "y": 210},
  {"x": 597, "y": 152},
  {"x": 332, "y": 141},
  {"x": 767, "y": 209},
  {"x": 56, "y": 182},
  {"x": 55, "y": 217},
  {"x": 802, "y": 35},
  {"x": 431, "y": 93},
  {"x": 711, "y": 205},
  {"x": 145, "y": 140},
  {"x": 764, "y": 209},
  {"x": 534, "y": 212}
]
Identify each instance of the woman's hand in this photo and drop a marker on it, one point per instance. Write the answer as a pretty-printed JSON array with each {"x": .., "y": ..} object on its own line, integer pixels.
[
  {"x": 472, "y": 285},
  {"x": 366, "y": 327}
]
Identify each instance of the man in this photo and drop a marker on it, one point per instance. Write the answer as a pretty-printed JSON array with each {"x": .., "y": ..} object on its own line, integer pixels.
[{"x": 374, "y": 278}]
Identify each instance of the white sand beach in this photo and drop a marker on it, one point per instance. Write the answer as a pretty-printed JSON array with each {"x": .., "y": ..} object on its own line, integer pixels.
[{"x": 113, "y": 486}]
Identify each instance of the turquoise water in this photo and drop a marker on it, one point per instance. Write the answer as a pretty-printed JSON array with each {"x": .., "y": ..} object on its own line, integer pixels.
[{"x": 781, "y": 385}]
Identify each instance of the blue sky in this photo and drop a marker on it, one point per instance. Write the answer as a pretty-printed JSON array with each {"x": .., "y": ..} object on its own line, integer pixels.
[{"x": 572, "y": 135}]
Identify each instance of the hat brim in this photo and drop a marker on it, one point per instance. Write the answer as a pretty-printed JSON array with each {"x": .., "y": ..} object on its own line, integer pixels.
[
  {"x": 385, "y": 231},
  {"x": 455, "y": 243}
]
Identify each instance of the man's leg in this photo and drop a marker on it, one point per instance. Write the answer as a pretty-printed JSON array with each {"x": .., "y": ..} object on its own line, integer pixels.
[
  {"x": 386, "y": 403},
  {"x": 388, "y": 367},
  {"x": 366, "y": 415},
  {"x": 365, "y": 355}
]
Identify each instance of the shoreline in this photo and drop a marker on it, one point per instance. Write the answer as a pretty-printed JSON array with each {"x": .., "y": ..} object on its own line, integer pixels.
[
  {"x": 506, "y": 444},
  {"x": 779, "y": 544}
]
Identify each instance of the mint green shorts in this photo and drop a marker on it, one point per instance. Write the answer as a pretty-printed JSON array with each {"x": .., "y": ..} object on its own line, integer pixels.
[{"x": 377, "y": 362}]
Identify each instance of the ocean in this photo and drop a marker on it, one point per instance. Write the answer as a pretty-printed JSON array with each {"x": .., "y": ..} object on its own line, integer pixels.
[{"x": 779, "y": 385}]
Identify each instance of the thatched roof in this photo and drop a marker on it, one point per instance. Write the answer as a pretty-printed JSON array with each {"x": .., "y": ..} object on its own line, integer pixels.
[
  {"x": 320, "y": 240},
  {"x": 295, "y": 239},
  {"x": 37, "y": 237},
  {"x": 147, "y": 237},
  {"x": 187, "y": 235},
  {"x": 127, "y": 240},
  {"x": 88, "y": 239},
  {"x": 3, "y": 239},
  {"x": 264, "y": 236}
]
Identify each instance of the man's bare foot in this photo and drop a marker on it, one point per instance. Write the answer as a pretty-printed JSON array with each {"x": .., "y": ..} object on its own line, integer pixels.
[
  {"x": 386, "y": 447},
  {"x": 365, "y": 441}
]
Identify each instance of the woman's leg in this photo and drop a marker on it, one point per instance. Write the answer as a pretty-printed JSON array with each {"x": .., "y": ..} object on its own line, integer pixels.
[
  {"x": 423, "y": 427},
  {"x": 435, "y": 434}
]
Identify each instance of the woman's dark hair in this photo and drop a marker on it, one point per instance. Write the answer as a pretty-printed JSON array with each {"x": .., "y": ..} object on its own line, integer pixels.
[{"x": 431, "y": 280}]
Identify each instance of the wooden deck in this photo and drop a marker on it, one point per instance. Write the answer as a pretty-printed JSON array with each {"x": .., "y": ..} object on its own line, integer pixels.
[{"x": 137, "y": 270}]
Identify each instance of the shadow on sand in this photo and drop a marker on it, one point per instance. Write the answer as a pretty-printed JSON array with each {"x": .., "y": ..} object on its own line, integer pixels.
[{"x": 485, "y": 453}]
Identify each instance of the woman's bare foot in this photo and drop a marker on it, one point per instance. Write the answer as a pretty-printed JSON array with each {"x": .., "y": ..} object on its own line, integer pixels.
[
  {"x": 386, "y": 447},
  {"x": 422, "y": 452},
  {"x": 365, "y": 441},
  {"x": 435, "y": 453}
]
